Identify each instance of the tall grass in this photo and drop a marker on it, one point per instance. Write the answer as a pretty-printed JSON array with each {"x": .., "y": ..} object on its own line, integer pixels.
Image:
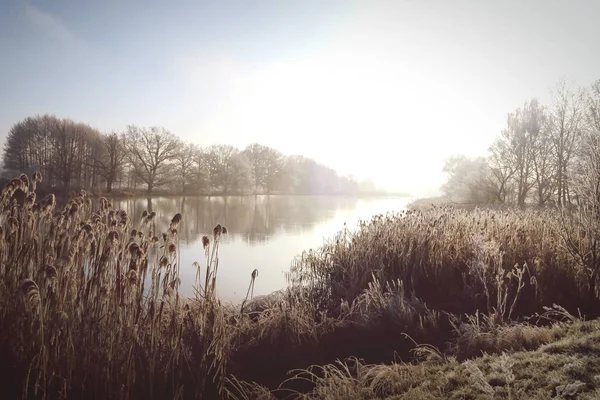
[
  {"x": 90, "y": 308},
  {"x": 90, "y": 305},
  {"x": 509, "y": 263}
]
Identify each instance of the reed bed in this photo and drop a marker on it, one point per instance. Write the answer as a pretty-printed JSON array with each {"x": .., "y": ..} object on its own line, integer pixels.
[
  {"x": 508, "y": 263},
  {"x": 90, "y": 306}
]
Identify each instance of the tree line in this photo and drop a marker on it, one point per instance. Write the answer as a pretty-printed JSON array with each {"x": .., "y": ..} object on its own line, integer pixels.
[
  {"x": 72, "y": 155},
  {"x": 542, "y": 157}
]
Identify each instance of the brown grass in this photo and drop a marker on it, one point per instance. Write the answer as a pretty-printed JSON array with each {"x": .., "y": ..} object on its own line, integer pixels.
[{"x": 90, "y": 308}]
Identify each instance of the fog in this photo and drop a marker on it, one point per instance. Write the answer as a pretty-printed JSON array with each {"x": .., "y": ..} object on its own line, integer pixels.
[{"x": 385, "y": 91}]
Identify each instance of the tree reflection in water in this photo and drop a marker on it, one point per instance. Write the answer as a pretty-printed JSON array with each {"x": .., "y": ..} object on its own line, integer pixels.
[{"x": 264, "y": 232}]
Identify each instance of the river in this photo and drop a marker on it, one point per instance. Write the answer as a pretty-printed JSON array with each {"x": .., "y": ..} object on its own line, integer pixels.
[{"x": 264, "y": 232}]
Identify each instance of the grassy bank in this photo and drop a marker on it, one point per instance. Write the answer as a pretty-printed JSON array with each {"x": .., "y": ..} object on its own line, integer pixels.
[{"x": 89, "y": 308}]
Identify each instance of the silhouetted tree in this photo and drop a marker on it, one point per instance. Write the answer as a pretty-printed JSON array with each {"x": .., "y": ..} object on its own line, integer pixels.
[
  {"x": 151, "y": 150},
  {"x": 111, "y": 159},
  {"x": 184, "y": 164},
  {"x": 74, "y": 154},
  {"x": 228, "y": 170},
  {"x": 468, "y": 180},
  {"x": 266, "y": 167},
  {"x": 564, "y": 130}
]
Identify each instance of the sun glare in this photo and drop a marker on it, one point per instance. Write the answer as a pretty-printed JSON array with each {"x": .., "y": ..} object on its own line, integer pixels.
[{"x": 370, "y": 111}]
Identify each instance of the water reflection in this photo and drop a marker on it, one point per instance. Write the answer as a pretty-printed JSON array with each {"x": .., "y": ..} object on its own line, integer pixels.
[
  {"x": 254, "y": 218},
  {"x": 264, "y": 232}
]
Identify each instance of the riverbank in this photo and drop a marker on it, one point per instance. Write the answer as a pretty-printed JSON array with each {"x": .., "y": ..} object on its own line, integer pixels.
[
  {"x": 418, "y": 296},
  {"x": 134, "y": 193}
]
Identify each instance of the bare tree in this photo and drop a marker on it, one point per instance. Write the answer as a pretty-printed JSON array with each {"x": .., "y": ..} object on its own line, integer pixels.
[
  {"x": 111, "y": 159},
  {"x": 184, "y": 162},
  {"x": 580, "y": 229},
  {"x": 228, "y": 170},
  {"x": 564, "y": 129},
  {"x": 150, "y": 150},
  {"x": 65, "y": 150},
  {"x": 592, "y": 111},
  {"x": 266, "y": 166},
  {"x": 502, "y": 170},
  {"x": 201, "y": 170},
  {"x": 468, "y": 181}
]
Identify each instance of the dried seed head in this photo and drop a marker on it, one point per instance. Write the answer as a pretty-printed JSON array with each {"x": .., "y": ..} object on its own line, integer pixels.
[
  {"x": 172, "y": 248},
  {"x": 37, "y": 177},
  {"x": 132, "y": 276},
  {"x": 133, "y": 249},
  {"x": 104, "y": 204},
  {"x": 205, "y": 242},
  {"x": 15, "y": 184},
  {"x": 74, "y": 209},
  {"x": 25, "y": 180},
  {"x": 51, "y": 277},
  {"x": 144, "y": 214},
  {"x": 113, "y": 237},
  {"x": 31, "y": 292},
  {"x": 175, "y": 221},
  {"x": 163, "y": 262},
  {"x": 177, "y": 218},
  {"x": 13, "y": 224},
  {"x": 50, "y": 271},
  {"x": 217, "y": 230},
  {"x": 133, "y": 233}
]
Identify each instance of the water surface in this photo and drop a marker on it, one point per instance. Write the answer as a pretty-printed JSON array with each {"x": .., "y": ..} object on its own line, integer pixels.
[{"x": 264, "y": 232}]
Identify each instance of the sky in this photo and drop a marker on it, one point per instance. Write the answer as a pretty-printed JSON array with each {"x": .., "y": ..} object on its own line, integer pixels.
[{"x": 375, "y": 89}]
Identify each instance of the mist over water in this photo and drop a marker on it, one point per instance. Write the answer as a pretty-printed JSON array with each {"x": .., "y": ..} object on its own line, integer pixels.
[{"x": 264, "y": 232}]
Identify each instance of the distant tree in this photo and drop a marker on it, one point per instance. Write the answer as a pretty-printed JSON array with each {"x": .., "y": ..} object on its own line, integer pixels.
[
  {"x": 59, "y": 148},
  {"x": 266, "y": 166},
  {"x": 111, "y": 159},
  {"x": 151, "y": 150},
  {"x": 592, "y": 108},
  {"x": 502, "y": 170},
  {"x": 367, "y": 186},
  {"x": 580, "y": 228},
  {"x": 468, "y": 180},
  {"x": 306, "y": 176},
  {"x": 66, "y": 146},
  {"x": 228, "y": 170},
  {"x": 544, "y": 171},
  {"x": 17, "y": 154},
  {"x": 565, "y": 123},
  {"x": 201, "y": 170},
  {"x": 184, "y": 163},
  {"x": 274, "y": 162}
]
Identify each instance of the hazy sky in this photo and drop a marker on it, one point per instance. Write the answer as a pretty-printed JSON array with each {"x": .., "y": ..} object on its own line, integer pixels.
[{"x": 370, "y": 88}]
